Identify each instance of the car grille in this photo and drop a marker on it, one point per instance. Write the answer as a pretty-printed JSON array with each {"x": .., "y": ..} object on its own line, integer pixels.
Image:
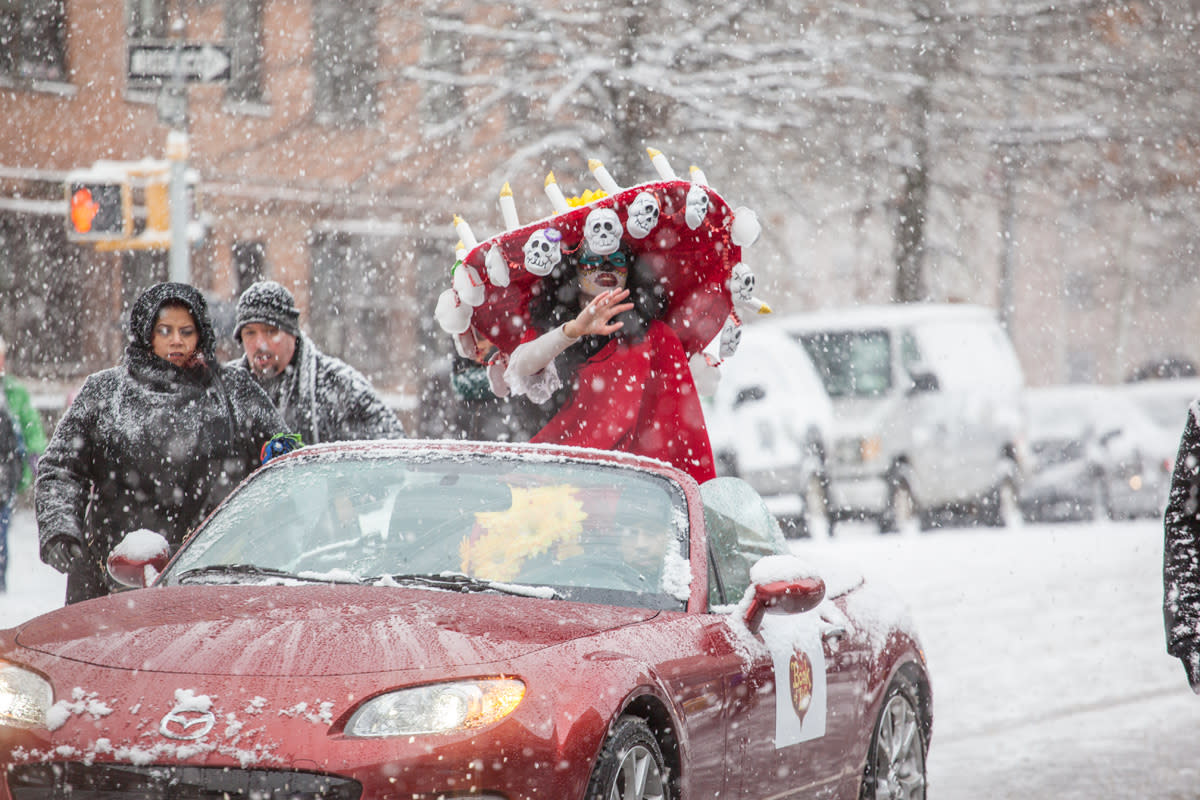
[{"x": 118, "y": 782}]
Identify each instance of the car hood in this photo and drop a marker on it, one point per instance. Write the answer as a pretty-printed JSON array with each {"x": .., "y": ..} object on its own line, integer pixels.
[{"x": 310, "y": 630}]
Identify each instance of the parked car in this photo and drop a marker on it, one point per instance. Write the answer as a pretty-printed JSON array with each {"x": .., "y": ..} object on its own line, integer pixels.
[
  {"x": 771, "y": 422},
  {"x": 1166, "y": 402},
  {"x": 437, "y": 619},
  {"x": 927, "y": 411},
  {"x": 1095, "y": 454}
]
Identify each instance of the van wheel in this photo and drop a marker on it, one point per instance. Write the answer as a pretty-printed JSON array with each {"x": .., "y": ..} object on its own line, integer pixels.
[
  {"x": 901, "y": 515},
  {"x": 816, "y": 522},
  {"x": 1002, "y": 509}
]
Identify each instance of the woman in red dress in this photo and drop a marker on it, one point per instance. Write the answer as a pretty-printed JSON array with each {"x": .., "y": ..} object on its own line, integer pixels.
[{"x": 618, "y": 373}]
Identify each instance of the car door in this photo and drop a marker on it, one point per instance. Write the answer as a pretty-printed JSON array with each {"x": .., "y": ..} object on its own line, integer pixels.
[
  {"x": 795, "y": 713},
  {"x": 791, "y": 697}
]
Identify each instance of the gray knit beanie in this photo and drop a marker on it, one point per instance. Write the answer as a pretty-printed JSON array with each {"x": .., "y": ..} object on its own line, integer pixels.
[{"x": 269, "y": 303}]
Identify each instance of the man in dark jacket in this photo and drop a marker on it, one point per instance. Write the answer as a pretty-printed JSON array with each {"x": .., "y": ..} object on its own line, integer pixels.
[
  {"x": 322, "y": 398},
  {"x": 1181, "y": 554},
  {"x": 155, "y": 443}
]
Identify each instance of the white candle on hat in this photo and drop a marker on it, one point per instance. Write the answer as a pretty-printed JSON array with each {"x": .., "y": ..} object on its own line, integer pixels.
[
  {"x": 602, "y": 177},
  {"x": 661, "y": 165},
  {"x": 508, "y": 207},
  {"x": 698, "y": 175},
  {"x": 557, "y": 200},
  {"x": 464, "y": 232}
]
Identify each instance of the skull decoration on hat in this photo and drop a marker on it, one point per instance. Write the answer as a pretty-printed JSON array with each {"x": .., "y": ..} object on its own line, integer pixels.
[
  {"x": 698, "y": 204},
  {"x": 643, "y": 215},
  {"x": 602, "y": 231},
  {"x": 647, "y": 270},
  {"x": 543, "y": 251}
]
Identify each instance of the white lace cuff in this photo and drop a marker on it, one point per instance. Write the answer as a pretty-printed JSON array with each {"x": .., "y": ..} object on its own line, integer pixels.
[
  {"x": 538, "y": 387},
  {"x": 531, "y": 369}
]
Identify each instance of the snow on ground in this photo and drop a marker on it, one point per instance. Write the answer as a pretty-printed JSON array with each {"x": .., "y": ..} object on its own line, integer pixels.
[
  {"x": 33, "y": 587},
  {"x": 1045, "y": 646},
  {"x": 1046, "y": 650}
]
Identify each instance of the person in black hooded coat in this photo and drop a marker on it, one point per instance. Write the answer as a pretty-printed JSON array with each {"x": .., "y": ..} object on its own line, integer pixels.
[
  {"x": 1181, "y": 553},
  {"x": 155, "y": 443}
]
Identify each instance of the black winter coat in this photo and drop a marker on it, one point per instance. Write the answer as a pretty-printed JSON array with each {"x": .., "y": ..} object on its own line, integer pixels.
[
  {"x": 324, "y": 399},
  {"x": 148, "y": 445},
  {"x": 1181, "y": 551}
]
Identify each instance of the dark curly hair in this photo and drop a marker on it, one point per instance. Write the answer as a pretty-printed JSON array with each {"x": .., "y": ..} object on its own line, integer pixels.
[{"x": 556, "y": 300}]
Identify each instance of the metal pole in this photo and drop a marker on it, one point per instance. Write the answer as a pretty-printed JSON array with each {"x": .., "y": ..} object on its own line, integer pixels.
[{"x": 179, "y": 268}]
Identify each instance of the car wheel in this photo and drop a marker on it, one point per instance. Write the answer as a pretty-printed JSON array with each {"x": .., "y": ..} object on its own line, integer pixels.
[
  {"x": 896, "y": 758},
  {"x": 631, "y": 765},
  {"x": 901, "y": 514}
]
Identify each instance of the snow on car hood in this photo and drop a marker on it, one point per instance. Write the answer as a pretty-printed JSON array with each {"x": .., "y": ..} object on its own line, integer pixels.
[{"x": 310, "y": 630}]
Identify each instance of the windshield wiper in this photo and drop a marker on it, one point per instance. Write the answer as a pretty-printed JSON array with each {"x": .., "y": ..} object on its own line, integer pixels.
[
  {"x": 458, "y": 582},
  {"x": 234, "y": 570}
]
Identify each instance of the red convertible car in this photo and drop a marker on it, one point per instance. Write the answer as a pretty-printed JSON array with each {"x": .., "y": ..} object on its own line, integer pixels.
[{"x": 428, "y": 620}]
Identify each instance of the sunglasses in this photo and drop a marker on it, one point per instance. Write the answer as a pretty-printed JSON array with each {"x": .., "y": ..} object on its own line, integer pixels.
[{"x": 592, "y": 261}]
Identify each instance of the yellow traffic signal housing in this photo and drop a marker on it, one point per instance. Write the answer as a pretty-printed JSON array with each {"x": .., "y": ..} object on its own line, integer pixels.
[
  {"x": 99, "y": 206},
  {"x": 158, "y": 205}
]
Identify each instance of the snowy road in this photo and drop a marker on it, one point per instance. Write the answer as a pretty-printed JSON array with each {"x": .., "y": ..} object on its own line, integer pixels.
[
  {"x": 1046, "y": 649},
  {"x": 1045, "y": 645}
]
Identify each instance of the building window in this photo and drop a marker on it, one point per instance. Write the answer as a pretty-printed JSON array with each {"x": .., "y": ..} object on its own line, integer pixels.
[
  {"x": 55, "y": 306},
  {"x": 33, "y": 39},
  {"x": 244, "y": 32},
  {"x": 345, "y": 60},
  {"x": 146, "y": 19},
  {"x": 249, "y": 263},
  {"x": 354, "y": 299}
]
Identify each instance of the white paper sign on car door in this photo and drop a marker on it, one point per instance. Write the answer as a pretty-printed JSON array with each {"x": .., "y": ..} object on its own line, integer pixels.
[{"x": 794, "y": 641}]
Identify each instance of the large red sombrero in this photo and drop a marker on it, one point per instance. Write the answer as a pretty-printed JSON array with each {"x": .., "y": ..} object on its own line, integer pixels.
[{"x": 693, "y": 257}]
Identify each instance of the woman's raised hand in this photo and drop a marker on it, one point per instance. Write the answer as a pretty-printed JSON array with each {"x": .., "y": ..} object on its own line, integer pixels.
[{"x": 596, "y": 318}]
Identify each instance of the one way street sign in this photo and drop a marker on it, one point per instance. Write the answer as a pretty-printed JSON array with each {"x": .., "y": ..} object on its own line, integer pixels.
[{"x": 197, "y": 63}]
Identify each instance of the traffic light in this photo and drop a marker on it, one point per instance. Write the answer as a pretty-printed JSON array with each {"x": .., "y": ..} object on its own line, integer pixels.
[{"x": 99, "y": 207}]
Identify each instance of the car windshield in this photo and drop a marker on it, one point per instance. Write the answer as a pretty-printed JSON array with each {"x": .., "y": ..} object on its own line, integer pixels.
[
  {"x": 851, "y": 362},
  {"x": 548, "y": 528}
]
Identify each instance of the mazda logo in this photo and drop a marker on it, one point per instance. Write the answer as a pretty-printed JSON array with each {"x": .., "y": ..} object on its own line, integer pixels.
[{"x": 186, "y": 723}]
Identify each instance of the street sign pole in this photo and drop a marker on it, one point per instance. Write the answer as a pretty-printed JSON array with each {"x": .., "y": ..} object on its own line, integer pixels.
[
  {"x": 180, "y": 267},
  {"x": 177, "y": 64}
]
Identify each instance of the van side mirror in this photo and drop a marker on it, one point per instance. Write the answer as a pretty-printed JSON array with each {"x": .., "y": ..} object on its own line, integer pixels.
[
  {"x": 750, "y": 394},
  {"x": 924, "y": 382}
]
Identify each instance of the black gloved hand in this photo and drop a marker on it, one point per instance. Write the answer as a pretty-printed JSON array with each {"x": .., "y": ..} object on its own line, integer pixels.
[{"x": 62, "y": 552}]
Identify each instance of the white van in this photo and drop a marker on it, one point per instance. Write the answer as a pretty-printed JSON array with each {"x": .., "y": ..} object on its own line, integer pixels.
[
  {"x": 928, "y": 411},
  {"x": 770, "y": 422}
]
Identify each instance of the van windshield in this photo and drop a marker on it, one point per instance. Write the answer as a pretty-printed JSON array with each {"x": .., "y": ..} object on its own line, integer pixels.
[{"x": 851, "y": 363}]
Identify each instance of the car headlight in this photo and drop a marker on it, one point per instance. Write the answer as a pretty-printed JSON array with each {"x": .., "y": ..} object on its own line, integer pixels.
[
  {"x": 25, "y": 697},
  {"x": 437, "y": 708}
]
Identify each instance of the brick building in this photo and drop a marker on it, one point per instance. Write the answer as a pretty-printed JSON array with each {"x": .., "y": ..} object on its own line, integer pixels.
[{"x": 312, "y": 165}]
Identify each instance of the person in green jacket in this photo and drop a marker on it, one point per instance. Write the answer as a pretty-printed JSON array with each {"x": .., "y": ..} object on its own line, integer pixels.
[{"x": 28, "y": 423}]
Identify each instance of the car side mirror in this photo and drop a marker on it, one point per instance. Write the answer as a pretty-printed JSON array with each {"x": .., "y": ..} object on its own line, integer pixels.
[
  {"x": 793, "y": 596},
  {"x": 924, "y": 382},
  {"x": 750, "y": 394},
  {"x": 139, "y": 558}
]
